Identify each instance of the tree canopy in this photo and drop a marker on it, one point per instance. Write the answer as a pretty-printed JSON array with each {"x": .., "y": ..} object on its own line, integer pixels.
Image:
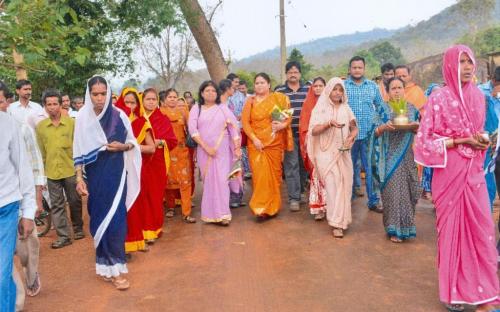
[
  {"x": 297, "y": 56},
  {"x": 72, "y": 40}
]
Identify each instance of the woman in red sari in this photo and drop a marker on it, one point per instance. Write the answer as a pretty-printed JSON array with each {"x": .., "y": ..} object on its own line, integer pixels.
[
  {"x": 450, "y": 139},
  {"x": 316, "y": 190},
  {"x": 129, "y": 102},
  {"x": 155, "y": 167}
]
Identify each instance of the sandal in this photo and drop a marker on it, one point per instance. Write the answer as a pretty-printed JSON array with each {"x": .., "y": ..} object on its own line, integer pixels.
[
  {"x": 338, "y": 233},
  {"x": 224, "y": 222},
  {"x": 34, "y": 289},
  {"x": 395, "y": 239},
  {"x": 188, "y": 219},
  {"x": 120, "y": 283},
  {"x": 319, "y": 217},
  {"x": 170, "y": 213},
  {"x": 455, "y": 307}
]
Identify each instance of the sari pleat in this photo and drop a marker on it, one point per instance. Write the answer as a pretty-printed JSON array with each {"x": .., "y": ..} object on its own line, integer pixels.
[{"x": 266, "y": 164}]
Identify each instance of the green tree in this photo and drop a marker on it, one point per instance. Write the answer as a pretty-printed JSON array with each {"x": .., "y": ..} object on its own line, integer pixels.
[
  {"x": 483, "y": 42},
  {"x": 33, "y": 30},
  {"x": 72, "y": 40},
  {"x": 297, "y": 56},
  {"x": 385, "y": 52}
]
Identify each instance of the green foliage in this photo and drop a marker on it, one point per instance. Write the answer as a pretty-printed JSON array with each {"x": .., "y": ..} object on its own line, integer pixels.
[
  {"x": 38, "y": 29},
  {"x": 483, "y": 42},
  {"x": 64, "y": 42},
  {"x": 385, "y": 52},
  {"x": 306, "y": 68}
]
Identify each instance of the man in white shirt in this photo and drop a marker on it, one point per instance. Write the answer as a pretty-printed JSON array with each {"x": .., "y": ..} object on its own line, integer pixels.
[
  {"x": 21, "y": 109},
  {"x": 66, "y": 106},
  {"x": 17, "y": 195}
]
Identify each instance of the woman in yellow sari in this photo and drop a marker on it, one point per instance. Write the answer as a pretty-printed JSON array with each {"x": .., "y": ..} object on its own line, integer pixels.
[
  {"x": 179, "y": 176},
  {"x": 267, "y": 143}
]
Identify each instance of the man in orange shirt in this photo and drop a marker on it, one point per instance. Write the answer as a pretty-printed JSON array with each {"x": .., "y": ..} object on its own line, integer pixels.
[{"x": 413, "y": 93}]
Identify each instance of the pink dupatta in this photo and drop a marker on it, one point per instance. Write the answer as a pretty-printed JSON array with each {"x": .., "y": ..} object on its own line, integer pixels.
[{"x": 467, "y": 257}]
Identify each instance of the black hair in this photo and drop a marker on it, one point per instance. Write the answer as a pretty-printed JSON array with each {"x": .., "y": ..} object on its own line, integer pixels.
[
  {"x": 96, "y": 80},
  {"x": 135, "y": 96},
  {"x": 356, "y": 59},
  {"x": 263, "y": 75},
  {"x": 48, "y": 93},
  {"x": 224, "y": 85},
  {"x": 187, "y": 92},
  {"x": 497, "y": 74},
  {"x": 204, "y": 85},
  {"x": 76, "y": 99},
  {"x": 391, "y": 80},
  {"x": 5, "y": 90},
  {"x": 291, "y": 64},
  {"x": 319, "y": 78},
  {"x": 21, "y": 83},
  {"x": 386, "y": 67},
  {"x": 401, "y": 67},
  {"x": 232, "y": 76},
  {"x": 170, "y": 90},
  {"x": 162, "y": 95},
  {"x": 243, "y": 82},
  {"x": 149, "y": 90}
]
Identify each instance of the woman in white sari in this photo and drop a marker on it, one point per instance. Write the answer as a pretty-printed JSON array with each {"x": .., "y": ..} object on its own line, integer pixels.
[{"x": 332, "y": 131}]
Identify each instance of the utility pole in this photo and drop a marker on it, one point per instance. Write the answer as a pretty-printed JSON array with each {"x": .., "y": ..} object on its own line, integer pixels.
[{"x": 282, "y": 40}]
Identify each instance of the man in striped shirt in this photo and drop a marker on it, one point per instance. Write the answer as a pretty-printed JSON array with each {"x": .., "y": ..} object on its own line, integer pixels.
[{"x": 295, "y": 173}]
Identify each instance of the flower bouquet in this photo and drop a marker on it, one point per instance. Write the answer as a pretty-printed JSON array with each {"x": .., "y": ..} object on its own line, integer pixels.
[{"x": 280, "y": 114}]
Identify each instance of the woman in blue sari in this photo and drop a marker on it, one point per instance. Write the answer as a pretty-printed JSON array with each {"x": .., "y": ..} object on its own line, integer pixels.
[
  {"x": 397, "y": 170},
  {"x": 106, "y": 151},
  {"x": 427, "y": 171},
  {"x": 491, "y": 127}
]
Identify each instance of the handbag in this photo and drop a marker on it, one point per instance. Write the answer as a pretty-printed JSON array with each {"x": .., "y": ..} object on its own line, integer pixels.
[{"x": 189, "y": 139}]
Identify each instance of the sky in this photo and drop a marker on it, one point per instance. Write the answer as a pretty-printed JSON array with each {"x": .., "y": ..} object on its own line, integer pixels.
[{"x": 247, "y": 27}]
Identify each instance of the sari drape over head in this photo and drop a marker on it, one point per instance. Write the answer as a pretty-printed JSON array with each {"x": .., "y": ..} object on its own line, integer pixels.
[
  {"x": 467, "y": 258},
  {"x": 218, "y": 128},
  {"x": 331, "y": 166},
  {"x": 155, "y": 168},
  {"x": 316, "y": 189},
  {"x": 113, "y": 179},
  {"x": 266, "y": 164},
  {"x": 134, "y": 240}
]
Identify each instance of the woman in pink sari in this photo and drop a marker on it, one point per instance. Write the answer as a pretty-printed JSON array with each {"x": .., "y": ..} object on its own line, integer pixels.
[
  {"x": 450, "y": 140},
  {"x": 215, "y": 129}
]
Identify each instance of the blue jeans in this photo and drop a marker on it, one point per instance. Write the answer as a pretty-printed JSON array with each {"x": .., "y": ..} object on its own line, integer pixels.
[
  {"x": 357, "y": 173},
  {"x": 295, "y": 172},
  {"x": 360, "y": 148},
  {"x": 9, "y": 216}
]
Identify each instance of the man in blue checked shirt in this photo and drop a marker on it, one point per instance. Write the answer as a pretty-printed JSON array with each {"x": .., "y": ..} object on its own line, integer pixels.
[{"x": 367, "y": 105}]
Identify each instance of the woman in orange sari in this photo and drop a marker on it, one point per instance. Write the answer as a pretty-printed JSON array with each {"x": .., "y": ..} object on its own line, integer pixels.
[
  {"x": 155, "y": 167},
  {"x": 180, "y": 173},
  {"x": 129, "y": 102},
  {"x": 267, "y": 143},
  {"x": 316, "y": 189}
]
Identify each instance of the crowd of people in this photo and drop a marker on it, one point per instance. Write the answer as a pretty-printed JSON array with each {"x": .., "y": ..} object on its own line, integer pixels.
[{"x": 134, "y": 157}]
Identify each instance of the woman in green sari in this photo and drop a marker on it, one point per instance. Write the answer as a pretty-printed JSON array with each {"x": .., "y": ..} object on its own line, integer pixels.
[{"x": 397, "y": 171}]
